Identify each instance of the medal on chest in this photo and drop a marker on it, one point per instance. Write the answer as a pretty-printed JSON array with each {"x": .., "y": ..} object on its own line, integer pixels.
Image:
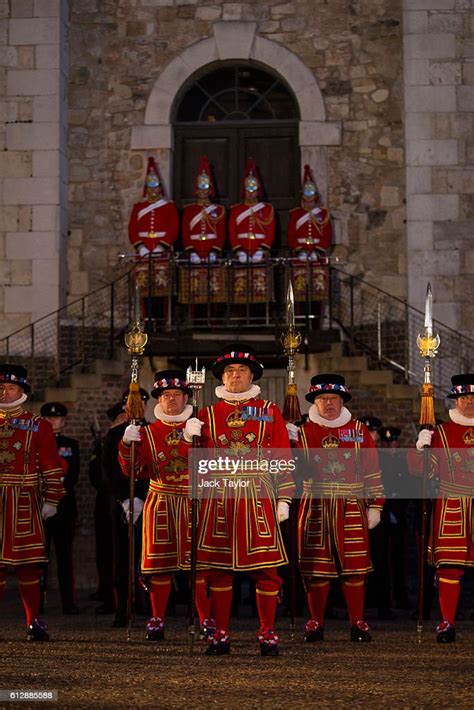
[{"x": 468, "y": 437}]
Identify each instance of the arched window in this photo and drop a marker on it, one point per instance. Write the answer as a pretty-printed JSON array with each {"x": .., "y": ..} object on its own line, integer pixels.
[
  {"x": 236, "y": 93},
  {"x": 230, "y": 111}
]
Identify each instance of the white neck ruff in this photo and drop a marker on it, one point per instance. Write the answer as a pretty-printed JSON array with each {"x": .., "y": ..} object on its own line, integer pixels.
[
  {"x": 458, "y": 418},
  {"x": 222, "y": 393},
  {"x": 6, "y": 407},
  {"x": 172, "y": 418},
  {"x": 343, "y": 419}
]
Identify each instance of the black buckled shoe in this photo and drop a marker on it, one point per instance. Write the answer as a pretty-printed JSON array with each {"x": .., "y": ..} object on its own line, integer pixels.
[
  {"x": 361, "y": 632},
  {"x": 37, "y": 631},
  {"x": 219, "y": 644},
  {"x": 207, "y": 629},
  {"x": 155, "y": 629},
  {"x": 445, "y": 633},
  {"x": 269, "y": 642},
  {"x": 313, "y": 631}
]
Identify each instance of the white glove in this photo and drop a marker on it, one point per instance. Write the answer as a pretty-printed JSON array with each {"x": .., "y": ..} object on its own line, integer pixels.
[
  {"x": 303, "y": 256},
  {"x": 193, "y": 428},
  {"x": 212, "y": 257},
  {"x": 424, "y": 439},
  {"x": 242, "y": 257},
  {"x": 195, "y": 258},
  {"x": 283, "y": 511},
  {"x": 258, "y": 256},
  {"x": 48, "y": 510},
  {"x": 373, "y": 518},
  {"x": 143, "y": 251},
  {"x": 137, "y": 509},
  {"x": 131, "y": 433},
  {"x": 293, "y": 432},
  {"x": 158, "y": 249}
]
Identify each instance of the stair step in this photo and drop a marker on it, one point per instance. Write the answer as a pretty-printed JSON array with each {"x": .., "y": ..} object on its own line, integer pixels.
[
  {"x": 60, "y": 394},
  {"x": 349, "y": 364},
  {"x": 376, "y": 377}
]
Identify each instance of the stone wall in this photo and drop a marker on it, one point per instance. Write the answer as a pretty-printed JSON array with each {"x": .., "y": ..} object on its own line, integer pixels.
[
  {"x": 33, "y": 203},
  {"x": 352, "y": 52},
  {"x": 439, "y": 101}
]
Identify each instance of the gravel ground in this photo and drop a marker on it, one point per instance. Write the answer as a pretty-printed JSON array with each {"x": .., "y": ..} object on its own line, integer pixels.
[{"x": 91, "y": 664}]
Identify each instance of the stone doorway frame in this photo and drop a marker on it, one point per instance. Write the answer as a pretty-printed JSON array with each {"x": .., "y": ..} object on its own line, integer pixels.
[{"x": 234, "y": 41}]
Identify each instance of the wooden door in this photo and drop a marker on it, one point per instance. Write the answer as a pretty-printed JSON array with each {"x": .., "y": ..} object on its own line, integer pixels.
[{"x": 274, "y": 148}]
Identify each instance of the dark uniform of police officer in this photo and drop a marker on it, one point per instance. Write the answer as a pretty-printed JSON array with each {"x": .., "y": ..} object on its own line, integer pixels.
[{"x": 60, "y": 528}]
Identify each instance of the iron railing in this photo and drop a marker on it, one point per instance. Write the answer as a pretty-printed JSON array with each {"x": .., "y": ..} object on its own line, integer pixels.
[
  {"x": 386, "y": 328},
  {"x": 177, "y": 297}
]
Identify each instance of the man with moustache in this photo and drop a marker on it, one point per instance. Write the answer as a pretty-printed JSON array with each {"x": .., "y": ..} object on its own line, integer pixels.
[
  {"x": 239, "y": 525},
  {"x": 341, "y": 473}
]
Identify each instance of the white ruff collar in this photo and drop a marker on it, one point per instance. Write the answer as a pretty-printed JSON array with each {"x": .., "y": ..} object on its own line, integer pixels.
[
  {"x": 6, "y": 407},
  {"x": 222, "y": 393},
  {"x": 344, "y": 417},
  {"x": 172, "y": 418},
  {"x": 458, "y": 418}
]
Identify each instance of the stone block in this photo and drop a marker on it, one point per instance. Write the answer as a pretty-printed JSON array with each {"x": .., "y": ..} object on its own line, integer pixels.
[
  {"x": 31, "y": 191},
  {"x": 445, "y": 22},
  {"x": 208, "y": 12},
  {"x": 22, "y": 8},
  {"x": 8, "y": 218},
  {"x": 430, "y": 5},
  {"x": 445, "y": 73},
  {"x": 465, "y": 98},
  {"x": 283, "y": 9},
  {"x": 418, "y": 180},
  {"x": 147, "y": 137},
  {"x": 46, "y": 109},
  {"x": 465, "y": 48},
  {"x": 432, "y": 207},
  {"x": 44, "y": 30},
  {"x": 199, "y": 54},
  {"x": 430, "y": 46},
  {"x": 389, "y": 196},
  {"x": 35, "y": 82},
  {"x": 8, "y": 57},
  {"x": 21, "y": 272},
  {"x": 234, "y": 40},
  {"x": 19, "y": 299},
  {"x": 449, "y": 313},
  {"x": 15, "y": 164},
  {"x": 48, "y": 56},
  {"x": 37, "y": 245},
  {"x": 417, "y": 126},
  {"x": 45, "y": 218},
  {"x": 417, "y": 72},
  {"x": 468, "y": 73},
  {"x": 435, "y": 152},
  {"x": 46, "y": 163},
  {"x": 453, "y": 231},
  {"x": 45, "y": 271},
  {"x": 461, "y": 181},
  {"x": 47, "y": 8},
  {"x": 415, "y": 22},
  {"x": 430, "y": 98},
  {"x": 232, "y": 11},
  {"x": 420, "y": 235},
  {"x": 36, "y": 136},
  {"x": 319, "y": 133}
]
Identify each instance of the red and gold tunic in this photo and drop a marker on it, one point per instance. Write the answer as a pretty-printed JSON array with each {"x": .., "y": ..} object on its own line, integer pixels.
[
  {"x": 309, "y": 229},
  {"x": 153, "y": 224},
  {"x": 238, "y": 529},
  {"x": 203, "y": 228},
  {"x": 162, "y": 457},
  {"x": 251, "y": 227},
  {"x": 343, "y": 467},
  {"x": 30, "y": 474},
  {"x": 452, "y": 526}
]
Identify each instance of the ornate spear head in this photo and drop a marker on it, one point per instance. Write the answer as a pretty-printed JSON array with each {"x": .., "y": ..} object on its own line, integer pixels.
[
  {"x": 428, "y": 343},
  {"x": 135, "y": 337},
  {"x": 196, "y": 380},
  {"x": 290, "y": 339}
]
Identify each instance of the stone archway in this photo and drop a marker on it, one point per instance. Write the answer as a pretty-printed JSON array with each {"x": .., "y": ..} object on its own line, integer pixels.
[{"x": 238, "y": 40}]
